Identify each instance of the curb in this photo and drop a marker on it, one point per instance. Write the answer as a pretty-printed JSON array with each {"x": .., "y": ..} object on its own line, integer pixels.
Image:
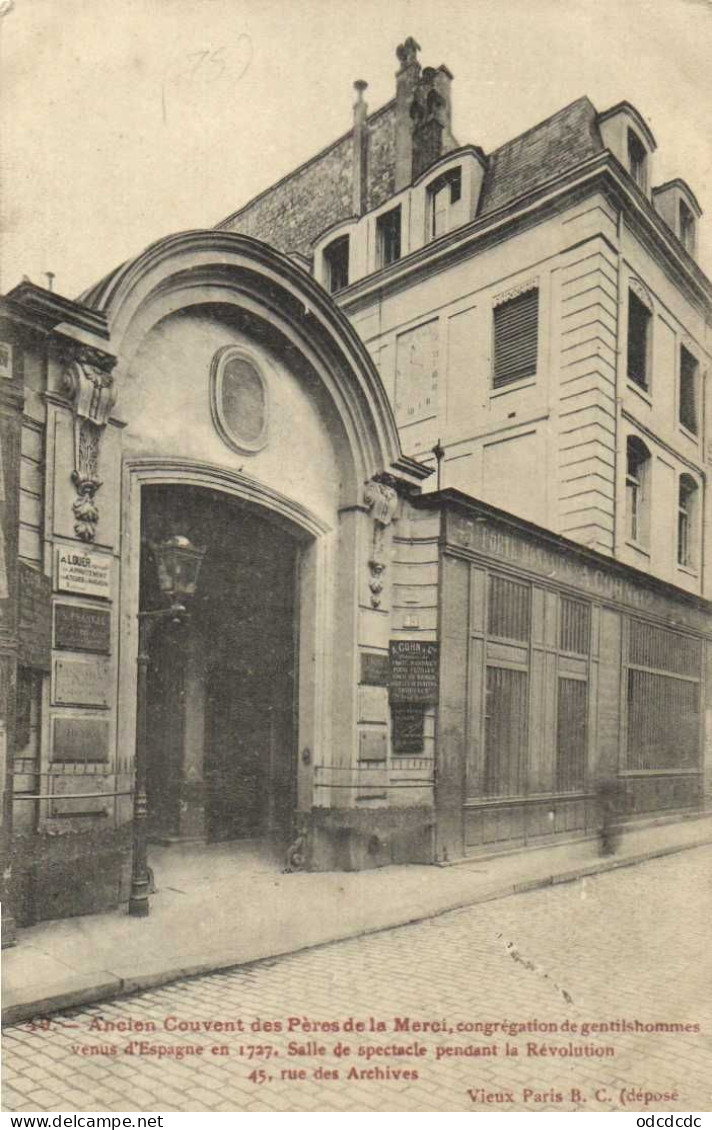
[{"x": 112, "y": 986}]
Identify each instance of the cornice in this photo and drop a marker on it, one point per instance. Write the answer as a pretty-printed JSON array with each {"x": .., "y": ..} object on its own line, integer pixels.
[
  {"x": 48, "y": 309},
  {"x": 601, "y": 171}
]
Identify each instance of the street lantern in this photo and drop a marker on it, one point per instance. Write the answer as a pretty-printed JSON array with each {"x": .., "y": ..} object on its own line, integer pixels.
[{"x": 178, "y": 564}]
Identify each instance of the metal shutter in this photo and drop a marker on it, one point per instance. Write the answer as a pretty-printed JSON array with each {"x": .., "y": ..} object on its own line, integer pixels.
[{"x": 515, "y": 338}]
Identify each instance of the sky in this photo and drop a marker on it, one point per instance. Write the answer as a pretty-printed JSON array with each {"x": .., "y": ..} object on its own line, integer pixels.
[{"x": 124, "y": 120}]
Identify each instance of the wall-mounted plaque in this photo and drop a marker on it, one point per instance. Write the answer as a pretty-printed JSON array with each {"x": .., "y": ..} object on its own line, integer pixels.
[
  {"x": 414, "y": 671},
  {"x": 83, "y": 572},
  {"x": 77, "y": 628},
  {"x": 81, "y": 682},
  {"x": 93, "y": 804},
  {"x": 417, "y": 374},
  {"x": 374, "y": 669},
  {"x": 407, "y": 732},
  {"x": 35, "y": 634},
  {"x": 372, "y": 704},
  {"x": 80, "y": 739},
  {"x": 372, "y": 745}
]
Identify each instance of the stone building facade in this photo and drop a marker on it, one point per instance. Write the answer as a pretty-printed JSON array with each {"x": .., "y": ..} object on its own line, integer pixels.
[{"x": 437, "y": 418}]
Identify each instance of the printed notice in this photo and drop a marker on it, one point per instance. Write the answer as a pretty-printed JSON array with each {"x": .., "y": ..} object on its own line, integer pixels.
[{"x": 83, "y": 572}]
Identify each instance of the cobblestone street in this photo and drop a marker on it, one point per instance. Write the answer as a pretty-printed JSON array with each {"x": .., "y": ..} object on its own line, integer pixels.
[{"x": 628, "y": 949}]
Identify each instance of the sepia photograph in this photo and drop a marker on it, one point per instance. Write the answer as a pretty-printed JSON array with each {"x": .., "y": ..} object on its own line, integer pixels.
[{"x": 355, "y": 558}]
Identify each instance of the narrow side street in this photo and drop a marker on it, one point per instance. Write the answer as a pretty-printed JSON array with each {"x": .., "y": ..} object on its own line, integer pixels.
[{"x": 576, "y": 978}]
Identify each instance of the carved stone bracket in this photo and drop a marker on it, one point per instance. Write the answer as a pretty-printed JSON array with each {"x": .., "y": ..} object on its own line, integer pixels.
[
  {"x": 89, "y": 382},
  {"x": 515, "y": 291},
  {"x": 382, "y": 501}
]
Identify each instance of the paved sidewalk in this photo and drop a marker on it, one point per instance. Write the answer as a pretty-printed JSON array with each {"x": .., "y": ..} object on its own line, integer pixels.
[{"x": 216, "y": 907}]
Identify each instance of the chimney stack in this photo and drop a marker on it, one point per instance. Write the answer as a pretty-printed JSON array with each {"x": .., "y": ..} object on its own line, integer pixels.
[
  {"x": 406, "y": 85},
  {"x": 360, "y": 149},
  {"x": 423, "y": 115}
]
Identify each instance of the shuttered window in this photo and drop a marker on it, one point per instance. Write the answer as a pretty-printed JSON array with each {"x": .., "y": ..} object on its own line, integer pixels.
[
  {"x": 516, "y": 326},
  {"x": 505, "y": 732},
  {"x": 663, "y": 691},
  {"x": 574, "y": 626},
  {"x": 508, "y": 609},
  {"x": 571, "y": 735}
]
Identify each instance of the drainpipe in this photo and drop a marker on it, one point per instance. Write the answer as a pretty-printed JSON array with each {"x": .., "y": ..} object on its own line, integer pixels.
[
  {"x": 360, "y": 149},
  {"x": 439, "y": 453}
]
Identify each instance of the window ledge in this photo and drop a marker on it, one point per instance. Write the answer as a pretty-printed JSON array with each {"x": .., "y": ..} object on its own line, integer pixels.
[
  {"x": 636, "y": 545},
  {"x": 515, "y": 386},
  {"x": 693, "y": 436},
  {"x": 688, "y": 570},
  {"x": 643, "y": 393}
]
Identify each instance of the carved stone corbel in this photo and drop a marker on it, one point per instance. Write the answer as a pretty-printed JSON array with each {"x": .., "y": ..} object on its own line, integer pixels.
[
  {"x": 382, "y": 501},
  {"x": 89, "y": 382}
]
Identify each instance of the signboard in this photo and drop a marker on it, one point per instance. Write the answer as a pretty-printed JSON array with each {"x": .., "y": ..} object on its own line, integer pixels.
[
  {"x": 374, "y": 669},
  {"x": 84, "y": 572},
  {"x": 35, "y": 629},
  {"x": 81, "y": 682},
  {"x": 77, "y": 628},
  {"x": 80, "y": 739},
  {"x": 407, "y": 730},
  {"x": 413, "y": 671}
]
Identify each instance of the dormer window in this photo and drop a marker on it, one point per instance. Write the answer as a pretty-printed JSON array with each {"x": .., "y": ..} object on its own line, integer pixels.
[
  {"x": 687, "y": 228},
  {"x": 336, "y": 264},
  {"x": 637, "y": 160},
  {"x": 442, "y": 194},
  {"x": 388, "y": 237}
]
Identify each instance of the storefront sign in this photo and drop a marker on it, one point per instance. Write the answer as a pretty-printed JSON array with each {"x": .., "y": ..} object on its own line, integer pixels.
[
  {"x": 35, "y": 632},
  {"x": 81, "y": 682},
  {"x": 413, "y": 671},
  {"x": 77, "y": 628},
  {"x": 374, "y": 669},
  {"x": 80, "y": 739},
  {"x": 407, "y": 729},
  {"x": 83, "y": 572}
]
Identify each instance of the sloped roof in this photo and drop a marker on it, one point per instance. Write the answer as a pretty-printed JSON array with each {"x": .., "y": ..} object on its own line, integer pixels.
[{"x": 548, "y": 149}]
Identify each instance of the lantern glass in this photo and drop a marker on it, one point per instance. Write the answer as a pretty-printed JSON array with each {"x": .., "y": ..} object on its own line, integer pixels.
[{"x": 178, "y": 563}]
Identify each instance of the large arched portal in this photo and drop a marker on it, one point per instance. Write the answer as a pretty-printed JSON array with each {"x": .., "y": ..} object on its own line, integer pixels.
[{"x": 255, "y": 424}]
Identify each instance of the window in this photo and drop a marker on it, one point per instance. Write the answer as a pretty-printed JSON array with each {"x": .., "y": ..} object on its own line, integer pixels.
[
  {"x": 686, "y": 521},
  {"x": 336, "y": 264},
  {"x": 508, "y": 609},
  {"x": 388, "y": 237},
  {"x": 663, "y": 708},
  {"x": 574, "y": 626},
  {"x": 442, "y": 194},
  {"x": 687, "y": 228},
  {"x": 571, "y": 735},
  {"x": 638, "y": 462},
  {"x": 688, "y": 390},
  {"x": 637, "y": 156},
  {"x": 505, "y": 732},
  {"x": 516, "y": 333},
  {"x": 639, "y": 322}
]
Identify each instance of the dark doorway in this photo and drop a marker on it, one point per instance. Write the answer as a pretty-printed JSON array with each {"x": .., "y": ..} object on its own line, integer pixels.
[{"x": 222, "y": 688}]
